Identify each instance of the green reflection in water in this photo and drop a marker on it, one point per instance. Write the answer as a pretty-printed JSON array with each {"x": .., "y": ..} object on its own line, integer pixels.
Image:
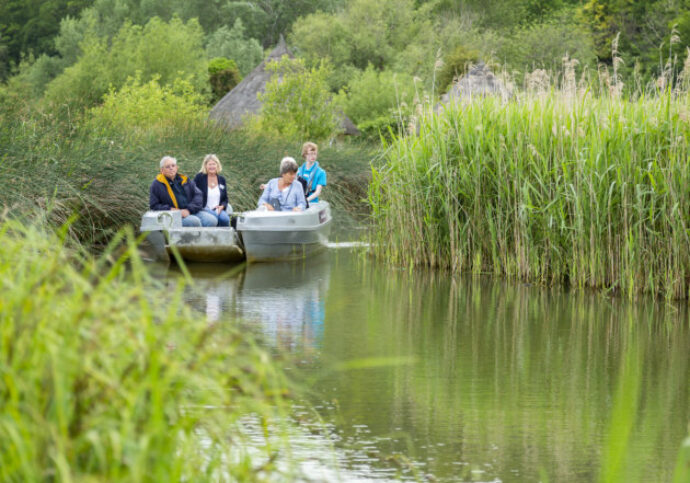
[{"x": 473, "y": 379}]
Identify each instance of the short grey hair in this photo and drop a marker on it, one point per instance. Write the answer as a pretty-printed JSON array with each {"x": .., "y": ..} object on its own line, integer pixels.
[
  {"x": 288, "y": 165},
  {"x": 167, "y": 158}
]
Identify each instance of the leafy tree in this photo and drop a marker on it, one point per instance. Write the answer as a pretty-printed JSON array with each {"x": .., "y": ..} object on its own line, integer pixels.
[
  {"x": 365, "y": 32},
  {"x": 297, "y": 103},
  {"x": 233, "y": 44},
  {"x": 643, "y": 27},
  {"x": 166, "y": 51},
  {"x": 544, "y": 45},
  {"x": 503, "y": 14},
  {"x": 266, "y": 20},
  {"x": 223, "y": 76},
  {"x": 28, "y": 26}
]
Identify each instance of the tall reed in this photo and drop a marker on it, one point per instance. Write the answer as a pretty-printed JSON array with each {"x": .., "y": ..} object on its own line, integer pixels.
[
  {"x": 547, "y": 188},
  {"x": 106, "y": 376}
]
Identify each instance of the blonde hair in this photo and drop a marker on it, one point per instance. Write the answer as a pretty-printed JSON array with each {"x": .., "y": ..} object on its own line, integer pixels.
[
  {"x": 207, "y": 158},
  {"x": 308, "y": 146}
]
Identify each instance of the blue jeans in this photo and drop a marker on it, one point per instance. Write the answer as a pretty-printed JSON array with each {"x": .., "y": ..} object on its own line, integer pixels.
[
  {"x": 222, "y": 220},
  {"x": 191, "y": 221},
  {"x": 207, "y": 218}
]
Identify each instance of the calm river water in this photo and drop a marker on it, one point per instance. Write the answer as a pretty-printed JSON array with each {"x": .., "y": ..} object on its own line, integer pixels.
[{"x": 423, "y": 375}]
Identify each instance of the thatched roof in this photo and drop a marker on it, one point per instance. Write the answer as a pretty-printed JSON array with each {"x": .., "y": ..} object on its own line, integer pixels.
[
  {"x": 243, "y": 99},
  {"x": 479, "y": 81}
]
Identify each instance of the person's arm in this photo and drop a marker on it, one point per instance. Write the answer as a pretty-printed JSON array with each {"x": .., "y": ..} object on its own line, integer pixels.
[
  {"x": 265, "y": 196},
  {"x": 196, "y": 203},
  {"x": 223, "y": 192},
  {"x": 300, "y": 200},
  {"x": 320, "y": 182},
  {"x": 155, "y": 202},
  {"x": 315, "y": 194}
]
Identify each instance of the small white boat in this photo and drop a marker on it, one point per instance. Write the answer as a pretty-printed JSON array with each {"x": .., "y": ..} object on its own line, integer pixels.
[
  {"x": 165, "y": 233},
  {"x": 284, "y": 235},
  {"x": 260, "y": 236}
]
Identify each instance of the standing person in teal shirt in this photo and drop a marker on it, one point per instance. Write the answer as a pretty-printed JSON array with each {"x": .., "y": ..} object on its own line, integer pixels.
[{"x": 310, "y": 171}]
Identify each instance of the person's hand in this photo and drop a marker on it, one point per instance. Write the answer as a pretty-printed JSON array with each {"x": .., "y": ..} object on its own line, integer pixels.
[
  {"x": 185, "y": 213},
  {"x": 262, "y": 186},
  {"x": 297, "y": 208},
  {"x": 218, "y": 209},
  {"x": 269, "y": 207}
]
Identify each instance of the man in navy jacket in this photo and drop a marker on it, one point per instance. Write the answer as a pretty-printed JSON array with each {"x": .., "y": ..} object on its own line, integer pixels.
[{"x": 173, "y": 191}]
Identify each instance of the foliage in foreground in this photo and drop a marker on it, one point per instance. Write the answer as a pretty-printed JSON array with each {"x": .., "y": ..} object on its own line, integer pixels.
[
  {"x": 549, "y": 188},
  {"x": 106, "y": 377}
]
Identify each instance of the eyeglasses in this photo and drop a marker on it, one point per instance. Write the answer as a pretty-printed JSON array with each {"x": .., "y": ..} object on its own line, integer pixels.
[{"x": 170, "y": 166}]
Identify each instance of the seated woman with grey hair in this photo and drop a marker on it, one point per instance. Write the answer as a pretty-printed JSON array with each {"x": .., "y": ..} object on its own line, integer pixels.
[{"x": 283, "y": 194}]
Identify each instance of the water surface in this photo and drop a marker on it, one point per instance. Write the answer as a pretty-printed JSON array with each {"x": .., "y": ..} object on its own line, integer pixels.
[{"x": 421, "y": 374}]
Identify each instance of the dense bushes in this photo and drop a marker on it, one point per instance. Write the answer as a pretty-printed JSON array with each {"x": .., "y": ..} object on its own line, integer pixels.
[
  {"x": 223, "y": 76},
  {"x": 166, "y": 51},
  {"x": 296, "y": 103},
  {"x": 378, "y": 101},
  {"x": 138, "y": 107}
]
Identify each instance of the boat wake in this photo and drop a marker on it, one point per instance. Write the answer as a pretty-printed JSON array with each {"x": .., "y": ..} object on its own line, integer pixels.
[{"x": 348, "y": 245}]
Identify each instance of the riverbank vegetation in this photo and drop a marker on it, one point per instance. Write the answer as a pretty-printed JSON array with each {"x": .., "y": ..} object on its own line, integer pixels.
[
  {"x": 559, "y": 186},
  {"x": 107, "y": 375}
]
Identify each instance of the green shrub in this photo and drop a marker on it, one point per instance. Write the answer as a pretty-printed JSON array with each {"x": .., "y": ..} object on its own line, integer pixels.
[
  {"x": 364, "y": 32},
  {"x": 376, "y": 101},
  {"x": 297, "y": 104},
  {"x": 138, "y": 106},
  {"x": 455, "y": 65},
  {"x": 223, "y": 76}
]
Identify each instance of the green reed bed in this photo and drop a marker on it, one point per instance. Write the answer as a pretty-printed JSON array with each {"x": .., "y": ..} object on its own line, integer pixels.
[
  {"x": 103, "y": 378},
  {"x": 547, "y": 188}
]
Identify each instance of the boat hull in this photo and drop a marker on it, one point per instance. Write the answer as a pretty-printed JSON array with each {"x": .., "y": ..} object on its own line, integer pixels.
[
  {"x": 272, "y": 236},
  {"x": 166, "y": 235}
]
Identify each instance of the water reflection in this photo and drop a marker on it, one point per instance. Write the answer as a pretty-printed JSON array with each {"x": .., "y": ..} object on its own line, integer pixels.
[
  {"x": 284, "y": 302},
  {"x": 509, "y": 382},
  {"x": 287, "y": 301}
]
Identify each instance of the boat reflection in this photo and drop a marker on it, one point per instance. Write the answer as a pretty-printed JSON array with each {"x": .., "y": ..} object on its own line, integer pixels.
[{"x": 284, "y": 301}]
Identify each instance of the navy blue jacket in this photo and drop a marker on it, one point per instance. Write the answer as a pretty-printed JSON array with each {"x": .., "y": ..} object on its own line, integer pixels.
[
  {"x": 161, "y": 195},
  {"x": 201, "y": 182}
]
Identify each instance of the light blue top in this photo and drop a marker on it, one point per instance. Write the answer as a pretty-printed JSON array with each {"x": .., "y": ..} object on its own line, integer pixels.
[
  {"x": 290, "y": 198},
  {"x": 319, "y": 177}
]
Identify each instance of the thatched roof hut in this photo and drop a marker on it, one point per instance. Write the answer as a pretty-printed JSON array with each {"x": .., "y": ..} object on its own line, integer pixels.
[
  {"x": 479, "y": 81},
  {"x": 243, "y": 99}
]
